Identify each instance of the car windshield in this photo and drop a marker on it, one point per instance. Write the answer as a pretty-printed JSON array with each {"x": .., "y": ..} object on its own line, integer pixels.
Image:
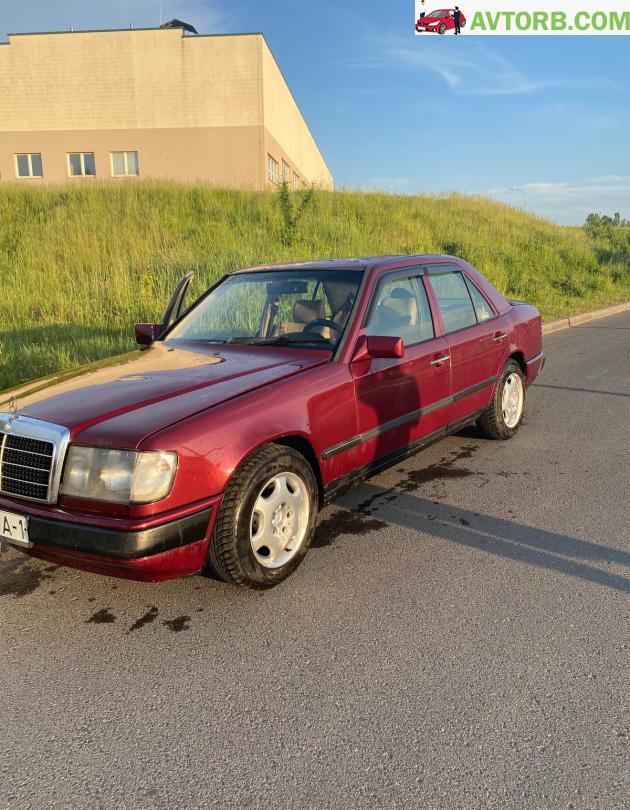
[
  {"x": 437, "y": 14},
  {"x": 301, "y": 307}
]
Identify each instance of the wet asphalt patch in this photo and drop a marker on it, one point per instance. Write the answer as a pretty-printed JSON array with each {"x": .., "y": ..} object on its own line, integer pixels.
[
  {"x": 20, "y": 577},
  {"x": 102, "y": 616},
  {"x": 360, "y": 521},
  {"x": 147, "y": 618},
  {"x": 178, "y": 624},
  {"x": 344, "y": 521}
]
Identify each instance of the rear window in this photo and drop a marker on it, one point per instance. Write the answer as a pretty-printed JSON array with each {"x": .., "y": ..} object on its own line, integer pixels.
[{"x": 483, "y": 310}]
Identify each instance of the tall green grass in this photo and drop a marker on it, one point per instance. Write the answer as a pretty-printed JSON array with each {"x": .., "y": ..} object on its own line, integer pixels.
[{"x": 80, "y": 265}]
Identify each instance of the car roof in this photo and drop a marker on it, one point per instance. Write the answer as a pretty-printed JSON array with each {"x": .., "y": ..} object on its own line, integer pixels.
[{"x": 360, "y": 263}]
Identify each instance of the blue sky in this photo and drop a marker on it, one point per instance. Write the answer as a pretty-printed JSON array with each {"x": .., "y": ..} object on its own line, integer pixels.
[{"x": 539, "y": 122}]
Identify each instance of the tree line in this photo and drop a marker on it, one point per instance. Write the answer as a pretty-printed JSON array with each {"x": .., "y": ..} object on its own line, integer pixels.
[{"x": 603, "y": 220}]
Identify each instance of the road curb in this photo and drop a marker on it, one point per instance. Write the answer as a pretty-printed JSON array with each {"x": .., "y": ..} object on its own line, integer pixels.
[
  {"x": 555, "y": 326},
  {"x": 550, "y": 327}
]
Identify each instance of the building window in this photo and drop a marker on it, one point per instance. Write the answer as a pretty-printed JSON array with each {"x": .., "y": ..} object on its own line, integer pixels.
[
  {"x": 286, "y": 172},
  {"x": 272, "y": 169},
  {"x": 81, "y": 164},
  {"x": 297, "y": 183},
  {"x": 125, "y": 164},
  {"x": 29, "y": 165}
]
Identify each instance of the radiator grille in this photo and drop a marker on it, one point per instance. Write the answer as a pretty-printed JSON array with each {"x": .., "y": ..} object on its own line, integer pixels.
[{"x": 25, "y": 466}]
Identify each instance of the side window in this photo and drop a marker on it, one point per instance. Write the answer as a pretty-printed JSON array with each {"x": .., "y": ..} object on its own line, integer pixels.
[
  {"x": 454, "y": 300},
  {"x": 483, "y": 310},
  {"x": 401, "y": 309}
]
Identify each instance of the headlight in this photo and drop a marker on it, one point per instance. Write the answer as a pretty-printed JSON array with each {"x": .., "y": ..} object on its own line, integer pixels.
[{"x": 118, "y": 476}]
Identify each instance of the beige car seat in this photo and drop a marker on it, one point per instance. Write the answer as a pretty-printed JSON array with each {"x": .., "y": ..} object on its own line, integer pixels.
[
  {"x": 305, "y": 311},
  {"x": 398, "y": 316}
]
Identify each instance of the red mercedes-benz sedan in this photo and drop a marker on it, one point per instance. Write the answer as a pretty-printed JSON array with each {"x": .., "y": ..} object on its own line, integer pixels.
[
  {"x": 214, "y": 446},
  {"x": 439, "y": 21}
]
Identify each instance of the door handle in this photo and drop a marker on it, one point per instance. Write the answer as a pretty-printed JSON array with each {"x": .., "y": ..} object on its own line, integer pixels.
[
  {"x": 438, "y": 361},
  {"x": 499, "y": 336}
]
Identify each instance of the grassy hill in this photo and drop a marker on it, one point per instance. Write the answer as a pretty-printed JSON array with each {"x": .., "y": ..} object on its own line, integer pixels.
[{"x": 79, "y": 266}]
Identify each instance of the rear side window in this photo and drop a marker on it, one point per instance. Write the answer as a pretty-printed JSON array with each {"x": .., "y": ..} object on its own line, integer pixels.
[
  {"x": 454, "y": 300},
  {"x": 483, "y": 310}
]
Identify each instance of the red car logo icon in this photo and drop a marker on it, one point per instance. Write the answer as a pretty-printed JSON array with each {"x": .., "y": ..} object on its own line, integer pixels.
[{"x": 439, "y": 21}]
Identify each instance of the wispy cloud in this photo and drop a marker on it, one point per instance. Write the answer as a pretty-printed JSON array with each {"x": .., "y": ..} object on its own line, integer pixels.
[
  {"x": 481, "y": 72},
  {"x": 570, "y": 201},
  {"x": 475, "y": 71}
]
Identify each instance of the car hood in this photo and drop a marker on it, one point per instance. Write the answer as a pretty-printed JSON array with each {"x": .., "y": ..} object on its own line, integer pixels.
[
  {"x": 126, "y": 398},
  {"x": 426, "y": 20}
]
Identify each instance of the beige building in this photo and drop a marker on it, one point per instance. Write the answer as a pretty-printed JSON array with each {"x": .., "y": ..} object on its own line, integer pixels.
[{"x": 151, "y": 103}]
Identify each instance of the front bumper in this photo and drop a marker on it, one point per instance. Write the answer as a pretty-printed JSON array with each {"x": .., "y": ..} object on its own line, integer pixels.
[
  {"x": 120, "y": 545},
  {"x": 167, "y": 550}
]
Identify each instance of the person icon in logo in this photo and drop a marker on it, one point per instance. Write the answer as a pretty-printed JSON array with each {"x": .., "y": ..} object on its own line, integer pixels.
[
  {"x": 422, "y": 13},
  {"x": 457, "y": 18}
]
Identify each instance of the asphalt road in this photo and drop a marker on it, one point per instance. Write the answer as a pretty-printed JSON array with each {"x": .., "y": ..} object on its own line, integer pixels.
[{"x": 458, "y": 638}]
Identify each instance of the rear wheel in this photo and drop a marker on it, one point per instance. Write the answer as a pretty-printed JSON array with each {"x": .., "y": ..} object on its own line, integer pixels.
[
  {"x": 266, "y": 520},
  {"x": 502, "y": 417}
]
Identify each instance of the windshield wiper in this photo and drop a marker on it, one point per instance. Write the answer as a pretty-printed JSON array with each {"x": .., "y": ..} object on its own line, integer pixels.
[
  {"x": 246, "y": 339},
  {"x": 284, "y": 339},
  {"x": 198, "y": 340},
  {"x": 279, "y": 339}
]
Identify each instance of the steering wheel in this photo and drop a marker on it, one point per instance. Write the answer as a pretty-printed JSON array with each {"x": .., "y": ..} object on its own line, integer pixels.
[{"x": 310, "y": 327}]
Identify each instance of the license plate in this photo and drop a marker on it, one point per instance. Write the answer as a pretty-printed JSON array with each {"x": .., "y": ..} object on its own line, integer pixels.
[{"x": 14, "y": 529}]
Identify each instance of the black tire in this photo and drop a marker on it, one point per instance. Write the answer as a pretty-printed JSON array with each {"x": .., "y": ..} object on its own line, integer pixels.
[
  {"x": 492, "y": 421},
  {"x": 442, "y": 29},
  {"x": 230, "y": 556}
]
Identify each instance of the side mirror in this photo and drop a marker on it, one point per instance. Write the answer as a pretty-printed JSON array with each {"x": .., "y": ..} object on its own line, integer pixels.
[
  {"x": 146, "y": 333},
  {"x": 377, "y": 346}
]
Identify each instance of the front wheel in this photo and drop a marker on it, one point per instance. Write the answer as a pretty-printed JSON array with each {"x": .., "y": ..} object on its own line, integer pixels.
[
  {"x": 266, "y": 520},
  {"x": 502, "y": 417},
  {"x": 442, "y": 29}
]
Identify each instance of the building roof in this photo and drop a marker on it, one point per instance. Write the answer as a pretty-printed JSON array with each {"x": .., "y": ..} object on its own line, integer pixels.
[{"x": 127, "y": 30}]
